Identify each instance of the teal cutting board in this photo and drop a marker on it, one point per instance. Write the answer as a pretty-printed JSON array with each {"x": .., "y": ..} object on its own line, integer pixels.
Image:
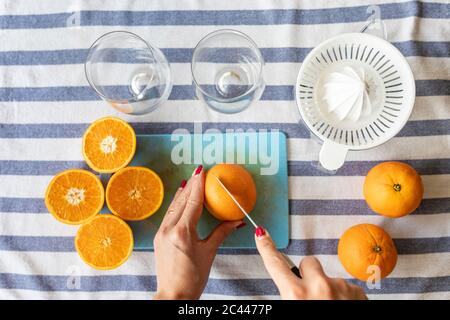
[{"x": 163, "y": 154}]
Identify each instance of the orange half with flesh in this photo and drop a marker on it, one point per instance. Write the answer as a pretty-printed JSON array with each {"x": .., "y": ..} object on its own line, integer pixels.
[
  {"x": 134, "y": 193},
  {"x": 109, "y": 144},
  {"x": 74, "y": 196},
  {"x": 104, "y": 242}
]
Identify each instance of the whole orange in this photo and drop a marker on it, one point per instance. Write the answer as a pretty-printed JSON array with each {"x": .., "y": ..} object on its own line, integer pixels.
[
  {"x": 240, "y": 184},
  {"x": 366, "y": 245},
  {"x": 393, "y": 189}
]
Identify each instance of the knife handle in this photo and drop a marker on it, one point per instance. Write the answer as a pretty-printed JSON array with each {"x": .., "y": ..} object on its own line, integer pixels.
[
  {"x": 296, "y": 271},
  {"x": 292, "y": 265}
]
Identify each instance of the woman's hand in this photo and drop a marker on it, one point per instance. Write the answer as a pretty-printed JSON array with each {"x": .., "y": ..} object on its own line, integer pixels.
[
  {"x": 314, "y": 283},
  {"x": 183, "y": 261}
]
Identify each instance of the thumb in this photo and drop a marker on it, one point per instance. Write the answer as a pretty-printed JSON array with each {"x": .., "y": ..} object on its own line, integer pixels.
[
  {"x": 274, "y": 261},
  {"x": 312, "y": 268},
  {"x": 220, "y": 233}
]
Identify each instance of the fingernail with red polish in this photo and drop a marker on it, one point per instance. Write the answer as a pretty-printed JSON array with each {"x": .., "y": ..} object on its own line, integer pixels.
[
  {"x": 183, "y": 184},
  {"x": 198, "y": 170},
  {"x": 243, "y": 224},
  {"x": 260, "y": 232}
]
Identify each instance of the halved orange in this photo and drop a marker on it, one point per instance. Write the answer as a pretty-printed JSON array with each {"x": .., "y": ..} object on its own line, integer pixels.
[
  {"x": 104, "y": 242},
  {"x": 73, "y": 196},
  {"x": 109, "y": 144},
  {"x": 134, "y": 193}
]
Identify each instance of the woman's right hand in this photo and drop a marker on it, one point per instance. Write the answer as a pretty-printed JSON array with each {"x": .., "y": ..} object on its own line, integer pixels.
[{"x": 314, "y": 285}]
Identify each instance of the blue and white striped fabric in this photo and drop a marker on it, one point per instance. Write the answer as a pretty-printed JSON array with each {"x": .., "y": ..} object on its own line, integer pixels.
[{"x": 46, "y": 104}]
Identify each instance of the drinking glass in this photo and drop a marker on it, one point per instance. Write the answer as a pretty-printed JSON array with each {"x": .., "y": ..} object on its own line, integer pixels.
[
  {"x": 227, "y": 71},
  {"x": 128, "y": 72}
]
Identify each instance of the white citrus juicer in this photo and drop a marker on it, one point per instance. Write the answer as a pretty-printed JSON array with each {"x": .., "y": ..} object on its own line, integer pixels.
[{"x": 354, "y": 91}]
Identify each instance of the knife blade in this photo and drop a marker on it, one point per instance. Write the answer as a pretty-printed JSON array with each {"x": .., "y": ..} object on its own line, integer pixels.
[{"x": 291, "y": 264}]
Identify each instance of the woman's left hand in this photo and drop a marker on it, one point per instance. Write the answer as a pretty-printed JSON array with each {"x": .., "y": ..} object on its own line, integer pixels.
[{"x": 183, "y": 260}]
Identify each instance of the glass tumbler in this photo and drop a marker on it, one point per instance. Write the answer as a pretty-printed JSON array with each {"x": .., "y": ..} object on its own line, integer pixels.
[
  {"x": 128, "y": 72},
  {"x": 227, "y": 71}
]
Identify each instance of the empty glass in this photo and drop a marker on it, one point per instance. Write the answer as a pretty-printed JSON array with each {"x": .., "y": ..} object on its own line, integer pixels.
[
  {"x": 129, "y": 73},
  {"x": 227, "y": 71}
]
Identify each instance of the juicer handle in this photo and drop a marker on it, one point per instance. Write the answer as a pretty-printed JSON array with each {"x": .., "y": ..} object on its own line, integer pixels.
[{"x": 332, "y": 155}]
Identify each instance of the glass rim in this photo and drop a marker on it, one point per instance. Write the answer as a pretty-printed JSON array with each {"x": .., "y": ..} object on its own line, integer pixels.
[
  {"x": 252, "y": 43},
  {"x": 102, "y": 37}
]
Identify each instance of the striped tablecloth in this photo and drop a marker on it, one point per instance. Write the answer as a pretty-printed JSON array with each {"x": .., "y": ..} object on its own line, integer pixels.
[{"x": 46, "y": 104}]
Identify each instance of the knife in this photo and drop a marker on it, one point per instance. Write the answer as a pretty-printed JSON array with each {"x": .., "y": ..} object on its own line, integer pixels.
[{"x": 291, "y": 264}]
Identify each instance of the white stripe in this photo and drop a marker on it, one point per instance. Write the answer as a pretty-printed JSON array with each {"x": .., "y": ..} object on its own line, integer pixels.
[
  {"x": 73, "y": 75},
  {"x": 188, "y": 36},
  {"x": 298, "y": 149},
  {"x": 425, "y": 68},
  {"x": 49, "y": 6},
  {"x": 407, "y": 265},
  {"x": 207, "y": 296},
  {"x": 431, "y": 147},
  {"x": 24, "y": 186},
  {"x": 23, "y": 294},
  {"x": 224, "y": 267},
  {"x": 140, "y": 263},
  {"x": 302, "y": 226},
  {"x": 430, "y": 108},
  {"x": 426, "y": 108},
  {"x": 300, "y": 187},
  {"x": 341, "y": 187},
  {"x": 332, "y": 227},
  {"x": 15, "y": 294},
  {"x": 62, "y": 149},
  {"x": 185, "y": 110},
  {"x": 34, "y": 224},
  {"x": 412, "y": 296},
  {"x": 395, "y": 296},
  {"x": 274, "y": 73},
  {"x": 41, "y": 149},
  {"x": 67, "y": 264}
]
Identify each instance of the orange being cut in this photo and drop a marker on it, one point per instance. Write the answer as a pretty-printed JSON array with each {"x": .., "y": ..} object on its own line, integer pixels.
[
  {"x": 104, "y": 242},
  {"x": 74, "y": 196},
  {"x": 109, "y": 144},
  {"x": 241, "y": 185},
  {"x": 134, "y": 193}
]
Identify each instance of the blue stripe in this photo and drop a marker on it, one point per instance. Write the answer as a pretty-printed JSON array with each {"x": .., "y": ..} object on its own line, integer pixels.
[
  {"x": 297, "y": 207},
  {"x": 295, "y": 168},
  {"x": 184, "y": 55},
  {"x": 296, "y": 247},
  {"x": 232, "y": 287},
  {"x": 23, "y": 205},
  {"x": 359, "y": 207},
  {"x": 88, "y": 283},
  {"x": 85, "y": 93},
  {"x": 360, "y": 168},
  {"x": 226, "y": 17},
  {"x": 34, "y": 168},
  {"x": 329, "y": 246},
  {"x": 42, "y": 244},
  {"x": 292, "y": 130},
  {"x": 181, "y": 92}
]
